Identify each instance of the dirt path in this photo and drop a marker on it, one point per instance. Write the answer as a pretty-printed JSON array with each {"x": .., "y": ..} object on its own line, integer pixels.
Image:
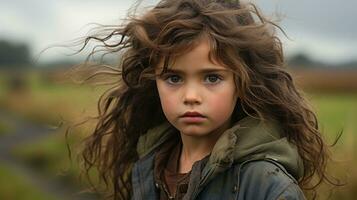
[{"x": 24, "y": 132}]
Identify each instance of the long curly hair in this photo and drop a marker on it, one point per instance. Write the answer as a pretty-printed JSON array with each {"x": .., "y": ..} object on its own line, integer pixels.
[{"x": 240, "y": 37}]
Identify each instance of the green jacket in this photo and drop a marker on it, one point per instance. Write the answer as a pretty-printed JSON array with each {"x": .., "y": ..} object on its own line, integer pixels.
[{"x": 251, "y": 160}]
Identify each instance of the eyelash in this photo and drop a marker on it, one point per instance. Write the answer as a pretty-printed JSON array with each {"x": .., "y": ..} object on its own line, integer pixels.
[{"x": 218, "y": 78}]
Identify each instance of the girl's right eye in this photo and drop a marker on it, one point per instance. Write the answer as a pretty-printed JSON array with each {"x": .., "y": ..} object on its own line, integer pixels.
[{"x": 173, "y": 79}]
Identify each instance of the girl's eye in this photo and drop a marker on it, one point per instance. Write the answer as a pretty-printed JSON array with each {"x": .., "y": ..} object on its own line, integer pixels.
[
  {"x": 213, "y": 78},
  {"x": 173, "y": 79}
]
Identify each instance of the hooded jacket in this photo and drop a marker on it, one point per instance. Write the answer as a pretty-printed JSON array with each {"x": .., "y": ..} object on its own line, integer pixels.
[{"x": 251, "y": 160}]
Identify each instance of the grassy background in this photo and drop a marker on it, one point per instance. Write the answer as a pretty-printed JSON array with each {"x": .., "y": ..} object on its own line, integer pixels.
[
  {"x": 50, "y": 102},
  {"x": 13, "y": 186}
]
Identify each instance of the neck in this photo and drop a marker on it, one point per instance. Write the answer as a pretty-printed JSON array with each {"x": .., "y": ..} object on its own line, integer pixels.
[
  {"x": 192, "y": 151},
  {"x": 195, "y": 148}
]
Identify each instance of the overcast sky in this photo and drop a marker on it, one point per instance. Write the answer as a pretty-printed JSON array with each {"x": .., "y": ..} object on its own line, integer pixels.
[{"x": 324, "y": 29}]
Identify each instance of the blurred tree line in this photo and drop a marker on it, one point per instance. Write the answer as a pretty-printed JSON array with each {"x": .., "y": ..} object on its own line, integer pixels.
[
  {"x": 14, "y": 55},
  {"x": 15, "y": 58}
]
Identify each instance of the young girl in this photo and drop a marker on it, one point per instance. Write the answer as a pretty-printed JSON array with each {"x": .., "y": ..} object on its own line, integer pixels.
[{"x": 205, "y": 109}]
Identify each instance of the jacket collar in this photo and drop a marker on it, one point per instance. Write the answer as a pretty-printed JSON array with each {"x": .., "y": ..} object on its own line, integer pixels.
[
  {"x": 248, "y": 139},
  {"x": 252, "y": 139}
]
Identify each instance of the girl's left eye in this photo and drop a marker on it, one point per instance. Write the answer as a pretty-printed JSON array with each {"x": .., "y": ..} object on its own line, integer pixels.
[
  {"x": 173, "y": 79},
  {"x": 213, "y": 78}
]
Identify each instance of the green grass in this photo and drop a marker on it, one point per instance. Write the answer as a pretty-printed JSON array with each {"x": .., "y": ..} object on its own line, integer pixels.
[
  {"x": 13, "y": 186},
  {"x": 51, "y": 158},
  {"x": 336, "y": 113},
  {"x": 49, "y": 102},
  {"x": 5, "y": 129}
]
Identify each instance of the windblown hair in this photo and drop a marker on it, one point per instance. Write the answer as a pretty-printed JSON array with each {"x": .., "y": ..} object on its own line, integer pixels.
[{"x": 241, "y": 39}]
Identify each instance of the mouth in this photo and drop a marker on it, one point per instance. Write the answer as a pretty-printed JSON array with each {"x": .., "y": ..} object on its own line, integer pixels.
[
  {"x": 193, "y": 114},
  {"x": 193, "y": 118}
]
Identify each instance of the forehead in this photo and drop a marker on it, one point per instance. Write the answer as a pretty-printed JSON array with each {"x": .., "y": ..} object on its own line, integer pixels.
[{"x": 199, "y": 57}]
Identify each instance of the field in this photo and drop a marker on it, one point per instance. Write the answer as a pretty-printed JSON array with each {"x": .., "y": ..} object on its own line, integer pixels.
[{"x": 52, "y": 103}]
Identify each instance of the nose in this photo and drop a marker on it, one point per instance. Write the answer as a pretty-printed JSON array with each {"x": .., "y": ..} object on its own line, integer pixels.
[{"x": 192, "y": 95}]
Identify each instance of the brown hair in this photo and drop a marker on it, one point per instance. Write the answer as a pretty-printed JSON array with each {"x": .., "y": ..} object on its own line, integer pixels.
[{"x": 241, "y": 38}]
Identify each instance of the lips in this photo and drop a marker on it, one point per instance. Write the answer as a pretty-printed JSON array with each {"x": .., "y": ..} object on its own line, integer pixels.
[
  {"x": 193, "y": 117},
  {"x": 192, "y": 114}
]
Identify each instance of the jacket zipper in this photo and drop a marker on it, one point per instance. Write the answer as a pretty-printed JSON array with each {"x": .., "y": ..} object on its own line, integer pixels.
[{"x": 163, "y": 186}]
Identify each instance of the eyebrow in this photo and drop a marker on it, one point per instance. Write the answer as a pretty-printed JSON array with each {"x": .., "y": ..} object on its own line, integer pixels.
[{"x": 202, "y": 71}]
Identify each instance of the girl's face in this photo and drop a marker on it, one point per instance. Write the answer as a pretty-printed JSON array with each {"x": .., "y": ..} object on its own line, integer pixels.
[{"x": 197, "y": 96}]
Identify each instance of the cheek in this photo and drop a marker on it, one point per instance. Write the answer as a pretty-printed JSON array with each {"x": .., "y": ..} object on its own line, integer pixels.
[
  {"x": 167, "y": 99},
  {"x": 223, "y": 103},
  {"x": 167, "y": 103}
]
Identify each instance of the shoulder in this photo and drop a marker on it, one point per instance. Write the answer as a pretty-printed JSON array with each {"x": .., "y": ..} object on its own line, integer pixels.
[{"x": 265, "y": 179}]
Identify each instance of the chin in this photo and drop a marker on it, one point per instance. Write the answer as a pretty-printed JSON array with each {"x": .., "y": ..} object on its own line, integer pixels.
[{"x": 193, "y": 131}]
